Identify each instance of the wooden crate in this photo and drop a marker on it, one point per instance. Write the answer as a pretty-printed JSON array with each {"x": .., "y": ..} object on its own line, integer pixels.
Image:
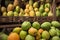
[{"x": 5, "y": 19}]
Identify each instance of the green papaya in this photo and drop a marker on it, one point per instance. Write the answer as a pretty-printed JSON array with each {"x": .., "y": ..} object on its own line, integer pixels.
[
  {"x": 15, "y": 13},
  {"x": 45, "y": 14},
  {"x": 29, "y": 37},
  {"x": 35, "y": 5},
  {"x": 38, "y": 13},
  {"x": 53, "y": 32},
  {"x": 41, "y": 9},
  {"x": 45, "y": 35},
  {"x": 56, "y": 38},
  {"x": 46, "y": 25},
  {"x": 55, "y": 23},
  {"x": 17, "y": 9},
  {"x": 57, "y": 12},
  {"x": 31, "y": 2},
  {"x": 47, "y": 5},
  {"x": 3, "y": 36},
  {"x": 26, "y": 25}
]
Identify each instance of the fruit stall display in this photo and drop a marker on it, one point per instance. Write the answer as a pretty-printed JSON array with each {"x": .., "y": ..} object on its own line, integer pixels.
[
  {"x": 30, "y": 20},
  {"x": 32, "y": 9},
  {"x": 33, "y": 31}
]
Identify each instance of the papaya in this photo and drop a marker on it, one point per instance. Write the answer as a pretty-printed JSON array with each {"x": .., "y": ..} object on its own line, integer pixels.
[
  {"x": 58, "y": 32},
  {"x": 45, "y": 35},
  {"x": 41, "y": 8},
  {"x": 23, "y": 34},
  {"x": 29, "y": 37},
  {"x": 26, "y": 25},
  {"x": 38, "y": 36},
  {"x": 56, "y": 38},
  {"x": 40, "y": 31},
  {"x": 46, "y": 25},
  {"x": 32, "y": 31},
  {"x": 57, "y": 12},
  {"x": 53, "y": 32},
  {"x": 55, "y": 23},
  {"x": 13, "y": 36},
  {"x": 3, "y": 36},
  {"x": 36, "y": 25}
]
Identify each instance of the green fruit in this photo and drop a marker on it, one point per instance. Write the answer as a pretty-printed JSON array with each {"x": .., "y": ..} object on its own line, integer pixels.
[
  {"x": 58, "y": 32},
  {"x": 45, "y": 35},
  {"x": 29, "y": 37},
  {"x": 50, "y": 14},
  {"x": 38, "y": 13},
  {"x": 4, "y": 14},
  {"x": 46, "y": 25},
  {"x": 41, "y": 8},
  {"x": 45, "y": 14},
  {"x": 55, "y": 38},
  {"x": 55, "y": 23},
  {"x": 16, "y": 14},
  {"x": 16, "y": 30},
  {"x": 57, "y": 12},
  {"x": 31, "y": 2},
  {"x": 52, "y": 27},
  {"x": 26, "y": 25},
  {"x": 3, "y": 36},
  {"x": 53, "y": 32},
  {"x": 17, "y": 9},
  {"x": 23, "y": 34},
  {"x": 47, "y": 5},
  {"x": 3, "y": 9},
  {"x": 10, "y": 13},
  {"x": 42, "y": 39},
  {"x": 36, "y": 25},
  {"x": 35, "y": 5},
  {"x": 21, "y": 14}
]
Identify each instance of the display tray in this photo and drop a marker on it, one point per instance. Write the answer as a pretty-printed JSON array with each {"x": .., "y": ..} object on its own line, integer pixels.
[
  {"x": 22, "y": 19},
  {"x": 57, "y": 1}
]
